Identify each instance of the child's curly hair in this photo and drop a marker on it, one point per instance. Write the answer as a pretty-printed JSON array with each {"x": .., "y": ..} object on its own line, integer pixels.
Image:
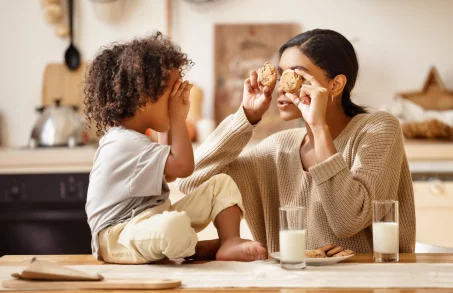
[{"x": 124, "y": 77}]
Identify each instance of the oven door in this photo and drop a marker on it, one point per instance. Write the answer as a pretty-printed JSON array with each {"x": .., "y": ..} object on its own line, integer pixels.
[
  {"x": 44, "y": 214},
  {"x": 44, "y": 229}
]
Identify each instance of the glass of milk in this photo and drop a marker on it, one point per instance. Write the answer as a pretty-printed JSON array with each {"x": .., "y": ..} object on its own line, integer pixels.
[
  {"x": 292, "y": 237},
  {"x": 385, "y": 231}
]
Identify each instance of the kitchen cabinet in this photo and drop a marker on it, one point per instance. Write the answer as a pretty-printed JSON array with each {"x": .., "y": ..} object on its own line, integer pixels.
[
  {"x": 431, "y": 166},
  {"x": 434, "y": 211}
]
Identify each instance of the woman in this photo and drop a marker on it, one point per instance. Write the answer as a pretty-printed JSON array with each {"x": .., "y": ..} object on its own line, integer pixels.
[{"x": 336, "y": 166}]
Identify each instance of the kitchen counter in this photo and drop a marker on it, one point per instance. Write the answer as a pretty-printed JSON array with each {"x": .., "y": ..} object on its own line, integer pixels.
[
  {"x": 23, "y": 260},
  {"x": 422, "y": 156},
  {"x": 417, "y": 150},
  {"x": 46, "y": 160}
]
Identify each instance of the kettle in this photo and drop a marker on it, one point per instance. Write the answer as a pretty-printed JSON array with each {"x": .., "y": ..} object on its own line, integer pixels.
[{"x": 57, "y": 125}]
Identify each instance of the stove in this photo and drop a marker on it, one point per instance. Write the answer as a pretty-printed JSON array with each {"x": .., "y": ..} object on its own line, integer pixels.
[{"x": 42, "y": 201}]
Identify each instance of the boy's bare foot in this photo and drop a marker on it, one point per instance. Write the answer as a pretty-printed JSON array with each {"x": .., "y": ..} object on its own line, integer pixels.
[
  {"x": 206, "y": 250},
  {"x": 238, "y": 249}
]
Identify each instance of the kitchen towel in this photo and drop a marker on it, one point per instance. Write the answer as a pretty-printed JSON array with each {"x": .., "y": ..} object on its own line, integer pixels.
[
  {"x": 269, "y": 274},
  {"x": 407, "y": 111}
]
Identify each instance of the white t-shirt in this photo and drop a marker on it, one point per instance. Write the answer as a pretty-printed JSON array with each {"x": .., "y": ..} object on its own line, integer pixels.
[{"x": 127, "y": 178}]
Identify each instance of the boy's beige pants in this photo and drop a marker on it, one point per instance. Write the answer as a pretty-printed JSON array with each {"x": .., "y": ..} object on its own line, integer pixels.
[{"x": 169, "y": 230}]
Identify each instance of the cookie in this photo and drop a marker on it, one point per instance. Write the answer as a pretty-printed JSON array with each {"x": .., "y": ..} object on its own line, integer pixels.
[
  {"x": 310, "y": 253},
  {"x": 315, "y": 253},
  {"x": 344, "y": 253},
  {"x": 290, "y": 81},
  {"x": 328, "y": 247},
  {"x": 267, "y": 75},
  {"x": 334, "y": 251}
]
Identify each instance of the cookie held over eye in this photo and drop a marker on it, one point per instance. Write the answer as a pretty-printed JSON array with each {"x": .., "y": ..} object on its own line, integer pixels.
[
  {"x": 290, "y": 81},
  {"x": 267, "y": 75}
]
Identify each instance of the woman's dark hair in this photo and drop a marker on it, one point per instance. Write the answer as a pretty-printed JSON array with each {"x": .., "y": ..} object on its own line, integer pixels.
[
  {"x": 334, "y": 54},
  {"x": 124, "y": 77}
]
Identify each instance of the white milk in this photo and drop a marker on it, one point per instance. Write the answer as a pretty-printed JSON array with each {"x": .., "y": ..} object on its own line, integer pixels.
[
  {"x": 386, "y": 237},
  {"x": 292, "y": 246}
]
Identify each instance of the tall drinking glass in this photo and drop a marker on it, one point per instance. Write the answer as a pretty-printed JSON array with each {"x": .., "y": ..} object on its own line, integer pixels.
[
  {"x": 385, "y": 231},
  {"x": 292, "y": 237}
]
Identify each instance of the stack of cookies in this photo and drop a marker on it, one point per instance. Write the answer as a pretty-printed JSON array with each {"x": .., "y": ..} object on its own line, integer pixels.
[{"x": 329, "y": 250}]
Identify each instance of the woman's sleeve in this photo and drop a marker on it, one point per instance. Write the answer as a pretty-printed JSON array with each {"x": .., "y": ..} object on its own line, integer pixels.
[
  {"x": 346, "y": 194},
  {"x": 220, "y": 150},
  {"x": 221, "y": 153}
]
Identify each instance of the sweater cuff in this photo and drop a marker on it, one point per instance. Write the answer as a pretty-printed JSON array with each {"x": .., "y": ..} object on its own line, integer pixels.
[
  {"x": 241, "y": 121},
  {"x": 328, "y": 168}
]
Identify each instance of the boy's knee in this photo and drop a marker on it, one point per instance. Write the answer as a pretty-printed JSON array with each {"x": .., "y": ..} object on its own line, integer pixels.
[
  {"x": 222, "y": 178},
  {"x": 173, "y": 222},
  {"x": 223, "y": 181},
  {"x": 179, "y": 237},
  {"x": 224, "y": 184}
]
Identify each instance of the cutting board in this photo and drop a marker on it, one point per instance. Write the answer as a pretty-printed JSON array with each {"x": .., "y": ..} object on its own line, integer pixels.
[
  {"x": 67, "y": 85},
  {"x": 117, "y": 284},
  {"x": 45, "y": 275},
  {"x": 46, "y": 270},
  {"x": 60, "y": 82}
]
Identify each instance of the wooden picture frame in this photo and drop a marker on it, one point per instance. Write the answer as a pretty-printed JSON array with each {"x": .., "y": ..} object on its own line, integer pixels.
[{"x": 240, "y": 48}]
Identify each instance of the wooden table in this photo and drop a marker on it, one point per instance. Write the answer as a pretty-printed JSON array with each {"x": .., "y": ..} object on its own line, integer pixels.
[{"x": 23, "y": 260}]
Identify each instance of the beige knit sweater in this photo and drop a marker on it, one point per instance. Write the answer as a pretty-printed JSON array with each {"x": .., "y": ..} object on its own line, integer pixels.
[{"x": 370, "y": 164}]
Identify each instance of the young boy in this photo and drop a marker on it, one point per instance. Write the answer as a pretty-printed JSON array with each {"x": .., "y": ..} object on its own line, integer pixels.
[{"x": 129, "y": 88}]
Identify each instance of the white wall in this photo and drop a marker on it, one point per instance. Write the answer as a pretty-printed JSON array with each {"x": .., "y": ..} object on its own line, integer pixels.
[
  {"x": 28, "y": 44},
  {"x": 396, "y": 40}
]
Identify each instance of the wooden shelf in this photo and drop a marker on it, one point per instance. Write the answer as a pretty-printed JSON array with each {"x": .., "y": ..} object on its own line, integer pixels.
[{"x": 423, "y": 150}]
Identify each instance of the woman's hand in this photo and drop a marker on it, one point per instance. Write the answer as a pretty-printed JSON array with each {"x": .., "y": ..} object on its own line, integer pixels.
[
  {"x": 312, "y": 100},
  {"x": 256, "y": 99}
]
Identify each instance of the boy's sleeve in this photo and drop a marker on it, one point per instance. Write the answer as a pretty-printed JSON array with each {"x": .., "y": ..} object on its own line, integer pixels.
[{"x": 149, "y": 172}]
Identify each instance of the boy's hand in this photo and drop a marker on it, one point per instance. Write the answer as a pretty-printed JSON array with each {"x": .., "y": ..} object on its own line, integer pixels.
[
  {"x": 180, "y": 161},
  {"x": 179, "y": 103}
]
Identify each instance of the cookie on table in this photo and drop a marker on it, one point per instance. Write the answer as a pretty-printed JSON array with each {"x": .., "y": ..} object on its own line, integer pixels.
[
  {"x": 344, "y": 253},
  {"x": 290, "y": 81},
  {"x": 267, "y": 75},
  {"x": 315, "y": 253},
  {"x": 334, "y": 251},
  {"x": 328, "y": 247}
]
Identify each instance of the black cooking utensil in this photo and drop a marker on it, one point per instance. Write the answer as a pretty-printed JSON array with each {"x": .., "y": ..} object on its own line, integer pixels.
[{"x": 72, "y": 55}]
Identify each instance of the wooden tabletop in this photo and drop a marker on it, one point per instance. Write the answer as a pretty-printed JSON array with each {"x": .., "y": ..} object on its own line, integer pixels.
[{"x": 23, "y": 260}]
